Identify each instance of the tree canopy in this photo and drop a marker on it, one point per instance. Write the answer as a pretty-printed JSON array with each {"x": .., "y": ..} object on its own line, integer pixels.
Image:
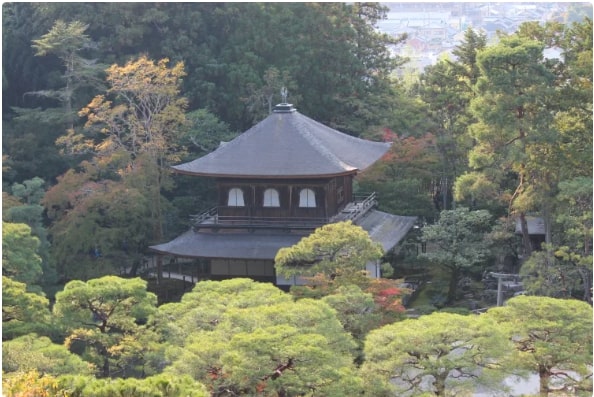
[
  {"x": 461, "y": 246},
  {"x": 336, "y": 250},
  {"x": 23, "y": 312},
  {"x": 441, "y": 353},
  {"x": 238, "y": 336},
  {"x": 552, "y": 337},
  {"x": 20, "y": 259},
  {"x": 105, "y": 316}
]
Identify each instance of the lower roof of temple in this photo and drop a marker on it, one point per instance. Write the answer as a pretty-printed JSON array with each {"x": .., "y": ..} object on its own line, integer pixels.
[{"x": 383, "y": 228}]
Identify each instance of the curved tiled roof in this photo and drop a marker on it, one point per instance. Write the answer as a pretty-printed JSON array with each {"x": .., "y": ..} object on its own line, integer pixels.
[
  {"x": 288, "y": 144},
  {"x": 383, "y": 228}
]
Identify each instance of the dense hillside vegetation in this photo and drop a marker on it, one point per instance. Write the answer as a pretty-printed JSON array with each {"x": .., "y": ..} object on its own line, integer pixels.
[{"x": 99, "y": 99}]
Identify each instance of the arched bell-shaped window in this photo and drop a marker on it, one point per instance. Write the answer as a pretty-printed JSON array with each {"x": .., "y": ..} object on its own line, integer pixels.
[
  {"x": 307, "y": 198},
  {"x": 271, "y": 198},
  {"x": 235, "y": 198}
]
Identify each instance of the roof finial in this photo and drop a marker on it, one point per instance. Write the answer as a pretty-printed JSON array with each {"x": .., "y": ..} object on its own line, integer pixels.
[{"x": 284, "y": 107}]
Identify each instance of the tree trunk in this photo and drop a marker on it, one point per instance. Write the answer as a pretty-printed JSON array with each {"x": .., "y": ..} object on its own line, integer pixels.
[
  {"x": 444, "y": 192},
  {"x": 105, "y": 370},
  {"x": 548, "y": 222},
  {"x": 68, "y": 90},
  {"x": 525, "y": 236},
  {"x": 439, "y": 384},
  {"x": 586, "y": 276},
  {"x": 544, "y": 376},
  {"x": 453, "y": 287},
  {"x": 157, "y": 214},
  {"x": 135, "y": 266}
]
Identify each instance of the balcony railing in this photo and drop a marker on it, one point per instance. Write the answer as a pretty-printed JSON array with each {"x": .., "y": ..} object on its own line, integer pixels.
[
  {"x": 357, "y": 208},
  {"x": 211, "y": 219}
]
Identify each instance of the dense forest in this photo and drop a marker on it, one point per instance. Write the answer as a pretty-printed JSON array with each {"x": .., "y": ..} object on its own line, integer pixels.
[{"x": 99, "y": 99}]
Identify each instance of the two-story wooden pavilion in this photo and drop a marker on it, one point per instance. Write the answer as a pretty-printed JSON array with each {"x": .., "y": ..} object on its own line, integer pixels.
[{"x": 277, "y": 182}]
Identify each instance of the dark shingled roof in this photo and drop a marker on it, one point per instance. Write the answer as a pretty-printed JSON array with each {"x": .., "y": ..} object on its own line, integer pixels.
[
  {"x": 232, "y": 245},
  {"x": 384, "y": 228},
  {"x": 288, "y": 144}
]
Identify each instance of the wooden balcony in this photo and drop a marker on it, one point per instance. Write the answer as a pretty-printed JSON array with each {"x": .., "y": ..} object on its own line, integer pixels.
[{"x": 212, "y": 219}]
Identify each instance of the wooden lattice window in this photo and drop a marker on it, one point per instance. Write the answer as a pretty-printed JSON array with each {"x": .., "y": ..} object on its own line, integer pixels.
[
  {"x": 235, "y": 198},
  {"x": 307, "y": 198},
  {"x": 271, "y": 198}
]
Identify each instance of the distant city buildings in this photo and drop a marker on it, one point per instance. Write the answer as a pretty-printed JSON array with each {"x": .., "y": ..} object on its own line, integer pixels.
[{"x": 435, "y": 29}]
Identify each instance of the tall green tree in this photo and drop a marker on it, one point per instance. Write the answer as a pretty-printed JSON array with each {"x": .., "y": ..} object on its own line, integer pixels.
[
  {"x": 552, "y": 338},
  {"x": 446, "y": 95},
  {"x": 514, "y": 132},
  {"x": 441, "y": 354},
  {"x": 66, "y": 41},
  {"x": 103, "y": 317},
  {"x": 574, "y": 123},
  {"x": 447, "y": 89},
  {"x": 459, "y": 244},
  {"x": 466, "y": 56}
]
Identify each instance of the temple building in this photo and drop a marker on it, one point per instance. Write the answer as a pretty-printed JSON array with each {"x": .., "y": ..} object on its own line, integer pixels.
[{"x": 277, "y": 182}]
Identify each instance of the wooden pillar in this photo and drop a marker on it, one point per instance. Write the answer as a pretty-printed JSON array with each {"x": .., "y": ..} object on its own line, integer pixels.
[
  {"x": 251, "y": 205},
  {"x": 290, "y": 200},
  {"x": 326, "y": 189},
  {"x": 159, "y": 269}
]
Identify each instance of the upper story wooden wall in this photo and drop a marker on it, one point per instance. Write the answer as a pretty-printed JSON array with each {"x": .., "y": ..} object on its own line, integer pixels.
[{"x": 331, "y": 195}]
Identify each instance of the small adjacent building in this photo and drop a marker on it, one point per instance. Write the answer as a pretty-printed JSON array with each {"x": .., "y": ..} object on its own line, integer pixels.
[
  {"x": 536, "y": 231},
  {"x": 277, "y": 182}
]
